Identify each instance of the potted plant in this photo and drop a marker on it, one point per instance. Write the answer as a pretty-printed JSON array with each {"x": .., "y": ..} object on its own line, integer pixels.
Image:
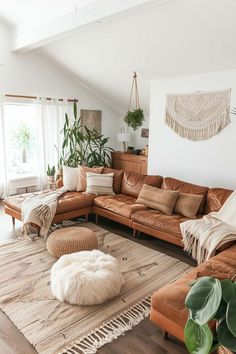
[
  {"x": 134, "y": 118},
  {"x": 51, "y": 173},
  {"x": 83, "y": 146},
  {"x": 211, "y": 299}
]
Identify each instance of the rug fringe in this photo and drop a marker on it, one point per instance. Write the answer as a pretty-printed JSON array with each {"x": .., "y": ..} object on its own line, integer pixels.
[{"x": 111, "y": 330}]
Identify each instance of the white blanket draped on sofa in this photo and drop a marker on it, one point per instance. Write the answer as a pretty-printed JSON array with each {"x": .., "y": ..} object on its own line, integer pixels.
[
  {"x": 202, "y": 237},
  {"x": 40, "y": 210}
]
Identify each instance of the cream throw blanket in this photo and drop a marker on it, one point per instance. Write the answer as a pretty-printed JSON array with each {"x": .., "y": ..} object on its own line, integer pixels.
[
  {"x": 40, "y": 210},
  {"x": 203, "y": 237}
]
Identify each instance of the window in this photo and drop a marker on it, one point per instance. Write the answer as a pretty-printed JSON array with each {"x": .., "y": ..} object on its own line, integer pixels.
[{"x": 22, "y": 155}]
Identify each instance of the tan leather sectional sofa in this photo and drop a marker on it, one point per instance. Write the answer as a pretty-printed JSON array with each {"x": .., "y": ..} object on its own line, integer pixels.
[
  {"x": 122, "y": 208},
  {"x": 168, "y": 310}
]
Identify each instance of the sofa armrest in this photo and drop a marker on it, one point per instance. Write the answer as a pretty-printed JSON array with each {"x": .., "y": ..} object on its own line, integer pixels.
[{"x": 59, "y": 183}]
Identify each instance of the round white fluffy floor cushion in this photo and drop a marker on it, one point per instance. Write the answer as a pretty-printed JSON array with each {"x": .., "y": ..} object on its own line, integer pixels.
[{"x": 86, "y": 278}]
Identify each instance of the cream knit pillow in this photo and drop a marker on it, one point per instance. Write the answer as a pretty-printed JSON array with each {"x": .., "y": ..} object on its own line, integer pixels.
[
  {"x": 99, "y": 183},
  {"x": 81, "y": 182}
]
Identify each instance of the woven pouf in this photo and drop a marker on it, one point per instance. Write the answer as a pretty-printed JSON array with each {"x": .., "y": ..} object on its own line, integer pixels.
[
  {"x": 70, "y": 240},
  {"x": 86, "y": 278}
]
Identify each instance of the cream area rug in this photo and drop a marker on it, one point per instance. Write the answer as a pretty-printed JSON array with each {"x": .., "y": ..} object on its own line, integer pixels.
[{"x": 54, "y": 327}]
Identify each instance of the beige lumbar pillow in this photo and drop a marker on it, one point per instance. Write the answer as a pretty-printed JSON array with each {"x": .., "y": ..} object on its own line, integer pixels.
[
  {"x": 156, "y": 198},
  {"x": 188, "y": 204},
  {"x": 81, "y": 183},
  {"x": 99, "y": 183}
]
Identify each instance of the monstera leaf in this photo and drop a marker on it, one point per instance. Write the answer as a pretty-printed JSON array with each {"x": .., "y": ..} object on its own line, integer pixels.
[
  {"x": 204, "y": 299},
  {"x": 198, "y": 339}
]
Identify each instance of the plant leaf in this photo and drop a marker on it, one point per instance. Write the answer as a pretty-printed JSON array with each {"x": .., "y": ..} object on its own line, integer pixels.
[
  {"x": 220, "y": 314},
  {"x": 231, "y": 316},
  {"x": 204, "y": 299},
  {"x": 225, "y": 336},
  {"x": 198, "y": 339},
  {"x": 227, "y": 289},
  {"x": 75, "y": 110}
]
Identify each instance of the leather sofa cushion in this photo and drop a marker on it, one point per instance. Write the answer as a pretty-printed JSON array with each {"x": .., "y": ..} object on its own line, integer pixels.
[
  {"x": 159, "y": 221},
  {"x": 157, "y": 198},
  {"x": 133, "y": 182},
  {"x": 185, "y": 187},
  {"x": 117, "y": 179},
  {"x": 120, "y": 204},
  {"x": 169, "y": 300},
  {"x": 69, "y": 201},
  {"x": 216, "y": 198}
]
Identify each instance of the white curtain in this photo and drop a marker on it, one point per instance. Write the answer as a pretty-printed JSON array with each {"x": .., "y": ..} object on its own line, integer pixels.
[
  {"x": 50, "y": 120},
  {"x": 3, "y": 167}
]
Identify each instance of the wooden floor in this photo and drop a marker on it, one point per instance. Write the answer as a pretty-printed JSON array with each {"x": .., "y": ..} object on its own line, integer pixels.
[{"x": 142, "y": 339}]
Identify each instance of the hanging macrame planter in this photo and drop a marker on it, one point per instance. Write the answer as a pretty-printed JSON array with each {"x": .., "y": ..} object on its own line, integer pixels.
[{"x": 134, "y": 118}]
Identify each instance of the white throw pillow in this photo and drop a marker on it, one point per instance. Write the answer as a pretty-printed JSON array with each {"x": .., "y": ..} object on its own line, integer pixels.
[
  {"x": 99, "y": 183},
  {"x": 70, "y": 177}
]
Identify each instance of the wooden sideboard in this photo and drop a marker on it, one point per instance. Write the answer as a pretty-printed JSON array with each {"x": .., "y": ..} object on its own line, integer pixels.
[{"x": 129, "y": 162}]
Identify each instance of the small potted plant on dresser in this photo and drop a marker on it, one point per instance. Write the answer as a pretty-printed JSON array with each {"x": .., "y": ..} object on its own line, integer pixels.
[
  {"x": 211, "y": 299},
  {"x": 51, "y": 174}
]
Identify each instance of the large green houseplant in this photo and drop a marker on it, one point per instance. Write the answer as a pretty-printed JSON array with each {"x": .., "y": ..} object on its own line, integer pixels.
[
  {"x": 83, "y": 146},
  {"x": 211, "y": 299}
]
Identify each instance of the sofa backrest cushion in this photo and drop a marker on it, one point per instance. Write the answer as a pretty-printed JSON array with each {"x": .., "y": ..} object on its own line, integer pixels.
[
  {"x": 133, "y": 182},
  {"x": 117, "y": 179},
  {"x": 216, "y": 198},
  {"x": 185, "y": 187}
]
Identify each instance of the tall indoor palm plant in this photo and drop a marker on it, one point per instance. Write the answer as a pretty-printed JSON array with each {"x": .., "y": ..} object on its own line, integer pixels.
[{"x": 83, "y": 146}]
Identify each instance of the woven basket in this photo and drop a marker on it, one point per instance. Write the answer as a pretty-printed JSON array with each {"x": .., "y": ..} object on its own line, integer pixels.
[{"x": 70, "y": 240}]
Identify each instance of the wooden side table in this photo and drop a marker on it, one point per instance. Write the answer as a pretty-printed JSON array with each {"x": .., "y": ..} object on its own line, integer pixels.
[{"x": 129, "y": 162}]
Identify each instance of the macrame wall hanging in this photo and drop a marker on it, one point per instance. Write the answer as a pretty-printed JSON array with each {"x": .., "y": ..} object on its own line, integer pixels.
[{"x": 200, "y": 115}]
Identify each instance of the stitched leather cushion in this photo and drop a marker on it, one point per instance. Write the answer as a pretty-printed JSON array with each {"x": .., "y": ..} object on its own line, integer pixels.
[
  {"x": 117, "y": 179},
  {"x": 69, "y": 201},
  {"x": 185, "y": 187},
  {"x": 216, "y": 197},
  {"x": 132, "y": 182},
  {"x": 120, "y": 204},
  {"x": 159, "y": 221}
]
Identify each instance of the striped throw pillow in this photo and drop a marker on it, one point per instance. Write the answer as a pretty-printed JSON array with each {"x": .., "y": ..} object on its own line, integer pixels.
[{"x": 99, "y": 183}]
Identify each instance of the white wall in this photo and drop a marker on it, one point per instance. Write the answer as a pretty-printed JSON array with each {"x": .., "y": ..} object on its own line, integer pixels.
[
  {"x": 30, "y": 74},
  {"x": 136, "y": 140},
  {"x": 211, "y": 162}
]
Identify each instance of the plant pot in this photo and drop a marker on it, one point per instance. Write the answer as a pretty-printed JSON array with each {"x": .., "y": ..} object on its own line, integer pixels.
[{"x": 50, "y": 179}]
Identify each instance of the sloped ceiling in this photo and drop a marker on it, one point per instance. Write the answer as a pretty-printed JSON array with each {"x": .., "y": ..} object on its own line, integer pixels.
[
  {"x": 169, "y": 38},
  {"x": 176, "y": 38}
]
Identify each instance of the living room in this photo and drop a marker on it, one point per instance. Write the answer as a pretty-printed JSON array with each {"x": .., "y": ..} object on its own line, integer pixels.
[{"x": 117, "y": 176}]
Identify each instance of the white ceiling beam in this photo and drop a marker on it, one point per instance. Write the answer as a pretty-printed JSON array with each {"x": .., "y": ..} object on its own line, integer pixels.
[{"x": 84, "y": 18}]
